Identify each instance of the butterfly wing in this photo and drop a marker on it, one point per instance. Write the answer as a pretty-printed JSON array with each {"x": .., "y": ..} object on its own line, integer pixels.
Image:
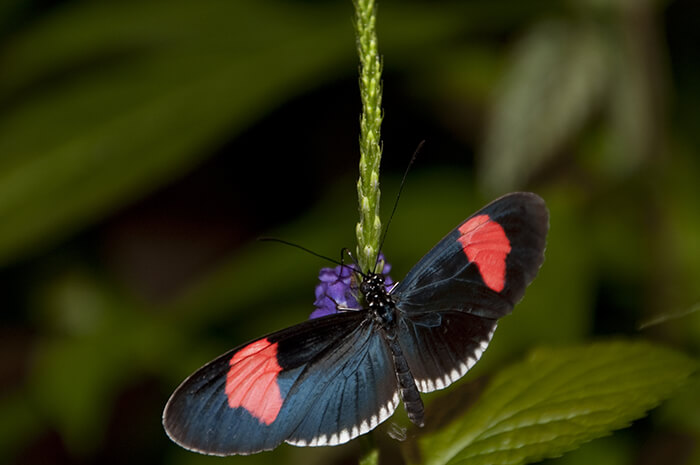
[
  {"x": 440, "y": 350},
  {"x": 450, "y": 301},
  {"x": 322, "y": 382},
  {"x": 484, "y": 265}
]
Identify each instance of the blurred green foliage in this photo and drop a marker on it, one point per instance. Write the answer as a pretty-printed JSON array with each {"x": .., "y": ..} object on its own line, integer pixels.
[{"x": 144, "y": 146}]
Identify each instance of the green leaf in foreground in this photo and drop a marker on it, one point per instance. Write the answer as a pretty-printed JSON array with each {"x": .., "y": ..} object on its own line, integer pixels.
[{"x": 558, "y": 399}]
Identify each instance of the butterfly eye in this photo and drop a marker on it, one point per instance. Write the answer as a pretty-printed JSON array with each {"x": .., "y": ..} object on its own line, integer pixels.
[{"x": 365, "y": 287}]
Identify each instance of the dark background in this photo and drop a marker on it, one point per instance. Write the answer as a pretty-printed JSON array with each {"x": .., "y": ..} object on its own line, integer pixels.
[{"x": 144, "y": 146}]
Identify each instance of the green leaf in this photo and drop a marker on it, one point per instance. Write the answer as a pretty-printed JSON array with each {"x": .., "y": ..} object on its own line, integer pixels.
[
  {"x": 611, "y": 450},
  {"x": 558, "y": 399},
  {"x": 639, "y": 92},
  {"x": 556, "y": 80}
]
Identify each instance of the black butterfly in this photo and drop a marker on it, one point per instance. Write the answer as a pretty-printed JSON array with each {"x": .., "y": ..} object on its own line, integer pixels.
[{"x": 328, "y": 380}]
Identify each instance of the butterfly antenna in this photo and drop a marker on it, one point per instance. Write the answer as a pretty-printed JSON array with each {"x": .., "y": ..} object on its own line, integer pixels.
[
  {"x": 356, "y": 268},
  {"x": 396, "y": 202},
  {"x": 301, "y": 247},
  {"x": 345, "y": 251}
]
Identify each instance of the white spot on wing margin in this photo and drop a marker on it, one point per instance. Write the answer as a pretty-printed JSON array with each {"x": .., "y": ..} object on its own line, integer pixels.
[
  {"x": 346, "y": 435},
  {"x": 430, "y": 385}
]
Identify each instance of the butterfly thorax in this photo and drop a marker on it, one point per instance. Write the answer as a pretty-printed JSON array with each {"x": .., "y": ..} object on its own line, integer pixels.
[{"x": 378, "y": 300}]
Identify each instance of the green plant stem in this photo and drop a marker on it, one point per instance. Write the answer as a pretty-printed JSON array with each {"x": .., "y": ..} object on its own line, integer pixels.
[{"x": 369, "y": 227}]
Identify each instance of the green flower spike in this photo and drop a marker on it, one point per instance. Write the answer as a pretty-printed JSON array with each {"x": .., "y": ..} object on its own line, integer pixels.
[{"x": 369, "y": 227}]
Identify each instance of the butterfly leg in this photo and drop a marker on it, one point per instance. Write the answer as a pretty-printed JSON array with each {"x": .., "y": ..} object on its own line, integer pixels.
[{"x": 342, "y": 308}]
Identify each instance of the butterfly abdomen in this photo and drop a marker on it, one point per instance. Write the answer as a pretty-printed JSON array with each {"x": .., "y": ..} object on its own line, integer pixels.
[{"x": 407, "y": 384}]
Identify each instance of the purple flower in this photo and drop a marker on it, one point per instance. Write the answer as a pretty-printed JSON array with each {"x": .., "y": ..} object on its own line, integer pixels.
[{"x": 337, "y": 289}]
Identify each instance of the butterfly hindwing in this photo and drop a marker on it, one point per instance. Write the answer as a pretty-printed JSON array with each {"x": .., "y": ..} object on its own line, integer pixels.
[
  {"x": 484, "y": 265},
  {"x": 442, "y": 348},
  {"x": 311, "y": 384}
]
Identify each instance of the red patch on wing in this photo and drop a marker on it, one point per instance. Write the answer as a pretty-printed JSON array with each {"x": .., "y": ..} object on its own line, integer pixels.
[
  {"x": 251, "y": 381},
  {"x": 485, "y": 243}
]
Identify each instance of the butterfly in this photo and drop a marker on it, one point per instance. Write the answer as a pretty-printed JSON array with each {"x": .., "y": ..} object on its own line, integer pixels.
[{"x": 328, "y": 380}]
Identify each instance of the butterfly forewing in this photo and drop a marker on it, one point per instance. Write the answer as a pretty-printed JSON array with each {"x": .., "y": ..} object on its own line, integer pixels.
[
  {"x": 484, "y": 265},
  {"x": 287, "y": 386}
]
